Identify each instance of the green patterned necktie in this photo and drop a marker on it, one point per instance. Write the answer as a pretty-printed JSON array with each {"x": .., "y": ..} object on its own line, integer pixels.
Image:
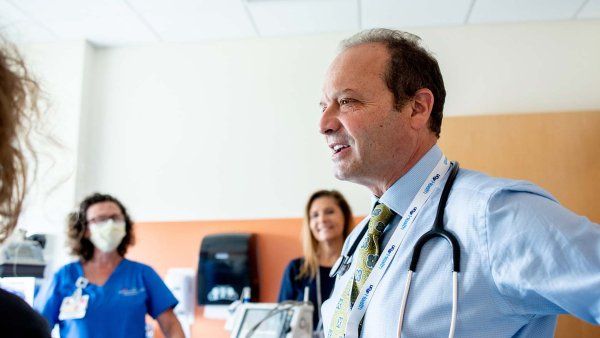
[{"x": 367, "y": 256}]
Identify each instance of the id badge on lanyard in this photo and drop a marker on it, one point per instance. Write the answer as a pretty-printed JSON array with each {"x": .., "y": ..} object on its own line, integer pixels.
[
  {"x": 75, "y": 306},
  {"x": 356, "y": 314}
]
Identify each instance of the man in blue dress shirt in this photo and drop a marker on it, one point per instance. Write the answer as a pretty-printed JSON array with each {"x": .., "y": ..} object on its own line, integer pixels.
[{"x": 524, "y": 257}]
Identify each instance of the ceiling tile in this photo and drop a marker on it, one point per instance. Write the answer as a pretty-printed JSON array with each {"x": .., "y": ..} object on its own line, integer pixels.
[
  {"x": 193, "y": 20},
  {"x": 25, "y": 32},
  {"x": 492, "y": 11},
  {"x": 9, "y": 15},
  {"x": 405, "y": 13},
  {"x": 590, "y": 11},
  {"x": 103, "y": 22},
  {"x": 17, "y": 27},
  {"x": 123, "y": 22},
  {"x": 294, "y": 17}
]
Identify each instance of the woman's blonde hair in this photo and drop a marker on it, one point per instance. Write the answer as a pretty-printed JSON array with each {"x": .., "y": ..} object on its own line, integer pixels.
[
  {"x": 18, "y": 108},
  {"x": 310, "y": 246}
]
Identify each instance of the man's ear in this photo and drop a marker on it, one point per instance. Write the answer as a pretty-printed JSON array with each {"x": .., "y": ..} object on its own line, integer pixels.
[{"x": 422, "y": 104}]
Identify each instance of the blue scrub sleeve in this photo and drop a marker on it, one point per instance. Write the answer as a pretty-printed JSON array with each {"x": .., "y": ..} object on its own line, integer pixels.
[
  {"x": 544, "y": 258},
  {"x": 47, "y": 301},
  {"x": 287, "y": 290},
  {"x": 160, "y": 298}
]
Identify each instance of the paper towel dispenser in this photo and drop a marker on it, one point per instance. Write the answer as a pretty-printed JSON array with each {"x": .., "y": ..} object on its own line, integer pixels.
[{"x": 226, "y": 265}]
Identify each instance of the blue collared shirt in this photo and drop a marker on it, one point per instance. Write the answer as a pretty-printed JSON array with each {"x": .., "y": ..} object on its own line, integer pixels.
[
  {"x": 402, "y": 192},
  {"x": 524, "y": 259}
]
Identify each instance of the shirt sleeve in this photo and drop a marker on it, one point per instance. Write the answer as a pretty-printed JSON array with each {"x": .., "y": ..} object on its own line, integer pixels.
[
  {"x": 545, "y": 259},
  {"x": 160, "y": 298},
  {"x": 287, "y": 290},
  {"x": 48, "y": 300}
]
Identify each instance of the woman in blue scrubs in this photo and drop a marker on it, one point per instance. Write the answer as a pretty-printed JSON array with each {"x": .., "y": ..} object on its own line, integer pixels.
[
  {"x": 103, "y": 294},
  {"x": 327, "y": 221}
]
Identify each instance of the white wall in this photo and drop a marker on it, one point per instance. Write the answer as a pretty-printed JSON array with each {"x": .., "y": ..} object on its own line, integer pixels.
[
  {"x": 216, "y": 131},
  {"x": 59, "y": 69},
  {"x": 228, "y": 130}
]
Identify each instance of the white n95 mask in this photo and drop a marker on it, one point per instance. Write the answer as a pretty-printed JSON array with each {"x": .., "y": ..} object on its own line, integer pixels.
[{"x": 107, "y": 235}]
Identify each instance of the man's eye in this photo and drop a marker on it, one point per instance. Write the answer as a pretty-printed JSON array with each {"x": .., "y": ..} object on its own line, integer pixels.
[{"x": 345, "y": 101}]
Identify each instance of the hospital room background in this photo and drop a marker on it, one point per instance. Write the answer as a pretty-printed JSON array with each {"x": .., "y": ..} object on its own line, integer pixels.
[{"x": 202, "y": 118}]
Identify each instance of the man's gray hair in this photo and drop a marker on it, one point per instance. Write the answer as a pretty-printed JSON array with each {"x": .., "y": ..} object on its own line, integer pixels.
[
  {"x": 411, "y": 67},
  {"x": 378, "y": 35}
]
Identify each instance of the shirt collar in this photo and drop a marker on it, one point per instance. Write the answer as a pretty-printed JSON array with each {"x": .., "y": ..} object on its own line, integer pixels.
[{"x": 402, "y": 192}]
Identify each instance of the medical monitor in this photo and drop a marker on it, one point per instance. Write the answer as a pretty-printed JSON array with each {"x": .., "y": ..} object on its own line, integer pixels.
[
  {"x": 273, "y": 324},
  {"x": 289, "y": 319}
]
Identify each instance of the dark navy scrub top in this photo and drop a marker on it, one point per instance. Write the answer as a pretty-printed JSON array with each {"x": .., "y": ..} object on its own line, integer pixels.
[{"x": 293, "y": 288}]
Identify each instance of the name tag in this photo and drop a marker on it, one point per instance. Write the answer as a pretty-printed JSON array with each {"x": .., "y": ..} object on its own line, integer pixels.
[{"x": 73, "y": 307}]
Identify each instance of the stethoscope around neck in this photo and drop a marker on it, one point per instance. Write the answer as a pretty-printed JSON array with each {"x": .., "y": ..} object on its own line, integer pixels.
[{"x": 437, "y": 230}]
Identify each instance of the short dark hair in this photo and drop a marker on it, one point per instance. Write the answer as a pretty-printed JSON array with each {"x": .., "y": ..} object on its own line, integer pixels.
[
  {"x": 411, "y": 68},
  {"x": 77, "y": 226}
]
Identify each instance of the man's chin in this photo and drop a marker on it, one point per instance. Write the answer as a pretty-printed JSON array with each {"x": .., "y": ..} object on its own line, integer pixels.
[
  {"x": 342, "y": 174},
  {"x": 349, "y": 175}
]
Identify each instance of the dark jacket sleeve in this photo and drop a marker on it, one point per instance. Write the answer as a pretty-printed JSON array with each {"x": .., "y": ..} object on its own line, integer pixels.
[
  {"x": 18, "y": 319},
  {"x": 288, "y": 290}
]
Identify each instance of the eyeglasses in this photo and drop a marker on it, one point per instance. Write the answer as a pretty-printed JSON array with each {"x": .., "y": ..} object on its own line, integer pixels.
[{"x": 100, "y": 219}]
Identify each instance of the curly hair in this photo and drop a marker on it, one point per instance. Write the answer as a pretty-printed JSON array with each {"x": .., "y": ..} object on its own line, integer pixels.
[
  {"x": 18, "y": 109},
  {"x": 77, "y": 226}
]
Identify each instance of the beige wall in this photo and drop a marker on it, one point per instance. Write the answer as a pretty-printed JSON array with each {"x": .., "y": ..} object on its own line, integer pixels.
[
  {"x": 229, "y": 129},
  {"x": 559, "y": 152}
]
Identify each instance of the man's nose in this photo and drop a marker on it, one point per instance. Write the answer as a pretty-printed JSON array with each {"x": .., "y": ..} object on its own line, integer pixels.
[{"x": 329, "y": 122}]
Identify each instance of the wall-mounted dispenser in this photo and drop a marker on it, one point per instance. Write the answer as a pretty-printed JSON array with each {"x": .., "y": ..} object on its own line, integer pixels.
[{"x": 226, "y": 265}]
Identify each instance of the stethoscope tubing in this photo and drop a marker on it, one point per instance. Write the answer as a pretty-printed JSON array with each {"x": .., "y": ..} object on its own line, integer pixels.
[
  {"x": 454, "y": 303},
  {"x": 437, "y": 230}
]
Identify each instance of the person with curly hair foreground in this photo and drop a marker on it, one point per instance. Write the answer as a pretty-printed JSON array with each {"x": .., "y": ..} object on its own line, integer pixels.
[{"x": 18, "y": 111}]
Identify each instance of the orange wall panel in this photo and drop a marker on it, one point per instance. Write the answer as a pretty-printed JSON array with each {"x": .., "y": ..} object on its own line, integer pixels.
[{"x": 177, "y": 244}]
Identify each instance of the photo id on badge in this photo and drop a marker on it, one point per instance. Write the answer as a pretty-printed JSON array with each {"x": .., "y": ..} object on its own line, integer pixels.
[{"x": 73, "y": 307}]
